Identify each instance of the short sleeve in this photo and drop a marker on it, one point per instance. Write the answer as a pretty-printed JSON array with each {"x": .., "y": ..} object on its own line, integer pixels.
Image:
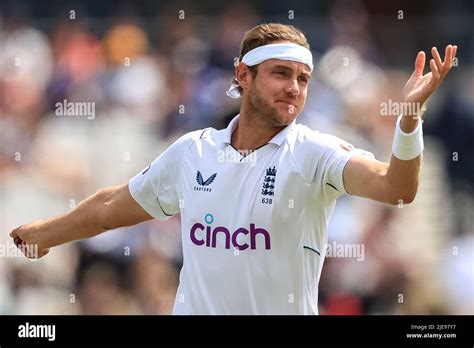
[
  {"x": 155, "y": 188},
  {"x": 322, "y": 159},
  {"x": 333, "y": 161}
]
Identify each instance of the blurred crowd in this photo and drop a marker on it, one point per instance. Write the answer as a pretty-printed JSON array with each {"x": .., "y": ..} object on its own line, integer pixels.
[{"x": 153, "y": 78}]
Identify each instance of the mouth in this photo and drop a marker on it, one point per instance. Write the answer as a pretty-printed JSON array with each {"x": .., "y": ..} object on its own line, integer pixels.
[
  {"x": 292, "y": 108},
  {"x": 286, "y": 102}
]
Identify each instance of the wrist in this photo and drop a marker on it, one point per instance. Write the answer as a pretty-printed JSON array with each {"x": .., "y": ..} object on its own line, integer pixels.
[
  {"x": 407, "y": 145},
  {"x": 412, "y": 115},
  {"x": 408, "y": 124},
  {"x": 38, "y": 234}
]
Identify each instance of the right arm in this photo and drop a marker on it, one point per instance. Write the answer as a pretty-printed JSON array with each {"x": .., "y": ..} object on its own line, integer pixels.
[
  {"x": 109, "y": 208},
  {"x": 113, "y": 207}
]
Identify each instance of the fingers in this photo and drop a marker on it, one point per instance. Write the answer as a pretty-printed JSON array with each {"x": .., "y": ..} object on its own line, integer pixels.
[
  {"x": 439, "y": 69},
  {"x": 31, "y": 251},
  {"x": 419, "y": 64},
  {"x": 24, "y": 248},
  {"x": 16, "y": 238},
  {"x": 448, "y": 59},
  {"x": 434, "y": 71},
  {"x": 453, "y": 56},
  {"x": 437, "y": 59},
  {"x": 18, "y": 241},
  {"x": 450, "y": 55}
]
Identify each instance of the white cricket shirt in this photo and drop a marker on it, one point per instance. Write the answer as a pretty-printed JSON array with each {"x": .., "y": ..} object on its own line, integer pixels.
[{"x": 254, "y": 227}]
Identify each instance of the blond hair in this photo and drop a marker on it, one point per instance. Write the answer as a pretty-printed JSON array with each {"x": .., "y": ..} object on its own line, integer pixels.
[{"x": 266, "y": 33}]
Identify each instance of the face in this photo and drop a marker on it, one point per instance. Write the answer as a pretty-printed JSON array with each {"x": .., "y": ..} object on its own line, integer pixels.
[{"x": 278, "y": 93}]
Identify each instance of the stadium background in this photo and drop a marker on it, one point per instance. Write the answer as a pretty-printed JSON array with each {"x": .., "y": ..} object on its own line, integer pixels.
[{"x": 157, "y": 69}]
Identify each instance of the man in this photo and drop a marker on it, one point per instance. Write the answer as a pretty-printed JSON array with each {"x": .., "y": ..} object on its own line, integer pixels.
[{"x": 256, "y": 198}]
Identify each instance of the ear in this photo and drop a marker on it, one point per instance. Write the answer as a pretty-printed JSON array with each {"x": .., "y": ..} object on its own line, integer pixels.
[{"x": 243, "y": 75}]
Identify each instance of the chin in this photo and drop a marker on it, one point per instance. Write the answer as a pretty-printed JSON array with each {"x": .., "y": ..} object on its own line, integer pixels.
[{"x": 285, "y": 118}]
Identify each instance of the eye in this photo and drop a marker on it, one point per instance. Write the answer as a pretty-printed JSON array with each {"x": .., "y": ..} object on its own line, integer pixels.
[{"x": 303, "y": 79}]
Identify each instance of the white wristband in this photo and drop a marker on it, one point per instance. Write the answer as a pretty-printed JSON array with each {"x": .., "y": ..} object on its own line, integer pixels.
[{"x": 407, "y": 146}]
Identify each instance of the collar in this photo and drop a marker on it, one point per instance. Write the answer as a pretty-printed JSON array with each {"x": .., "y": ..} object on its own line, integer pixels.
[{"x": 225, "y": 135}]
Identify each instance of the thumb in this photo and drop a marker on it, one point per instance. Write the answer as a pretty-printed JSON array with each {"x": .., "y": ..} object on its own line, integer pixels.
[
  {"x": 14, "y": 233},
  {"x": 419, "y": 64}
]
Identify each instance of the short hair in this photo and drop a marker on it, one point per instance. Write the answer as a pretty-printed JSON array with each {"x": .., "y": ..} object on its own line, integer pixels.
[{"x": 266, "y": 33}]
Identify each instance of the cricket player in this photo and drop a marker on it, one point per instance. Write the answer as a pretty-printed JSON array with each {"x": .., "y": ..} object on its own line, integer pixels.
[{"x": 255, "y": 198}]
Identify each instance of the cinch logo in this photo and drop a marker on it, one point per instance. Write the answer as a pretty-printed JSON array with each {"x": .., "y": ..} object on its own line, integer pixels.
[{"x": 209, "y": 238}]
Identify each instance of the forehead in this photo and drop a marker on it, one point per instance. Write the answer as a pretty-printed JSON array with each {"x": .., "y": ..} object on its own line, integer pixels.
[{"x": 299, "y": 67}]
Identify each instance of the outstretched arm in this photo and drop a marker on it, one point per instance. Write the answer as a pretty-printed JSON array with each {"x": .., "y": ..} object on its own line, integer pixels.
[
  {"x": 397, "y": 181},
  {"x": 109, "y": 208}
]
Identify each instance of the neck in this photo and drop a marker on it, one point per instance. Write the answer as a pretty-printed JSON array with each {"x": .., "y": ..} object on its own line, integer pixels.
[{"x": 252, "y": 131}]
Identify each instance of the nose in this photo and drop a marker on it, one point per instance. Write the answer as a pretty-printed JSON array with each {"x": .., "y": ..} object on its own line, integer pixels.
[{"x": 293, "y": 88}]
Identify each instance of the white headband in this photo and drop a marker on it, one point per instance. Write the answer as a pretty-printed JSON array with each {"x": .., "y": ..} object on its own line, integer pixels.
[{"x": 283, "y": 51}]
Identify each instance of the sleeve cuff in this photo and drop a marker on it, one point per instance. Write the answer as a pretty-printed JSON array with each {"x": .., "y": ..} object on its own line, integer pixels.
[{"x": 157, "y": 213}]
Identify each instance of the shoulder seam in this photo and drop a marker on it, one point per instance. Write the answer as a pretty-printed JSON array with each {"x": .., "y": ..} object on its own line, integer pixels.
[
  {"x": 204, "y": 131},
  {"x": 193, "y": 139}
]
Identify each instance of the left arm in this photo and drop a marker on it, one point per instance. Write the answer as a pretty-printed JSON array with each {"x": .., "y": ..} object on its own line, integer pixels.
[
  {"x": 383, "y": 182},
  {"x": 397, "y": 181}
]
